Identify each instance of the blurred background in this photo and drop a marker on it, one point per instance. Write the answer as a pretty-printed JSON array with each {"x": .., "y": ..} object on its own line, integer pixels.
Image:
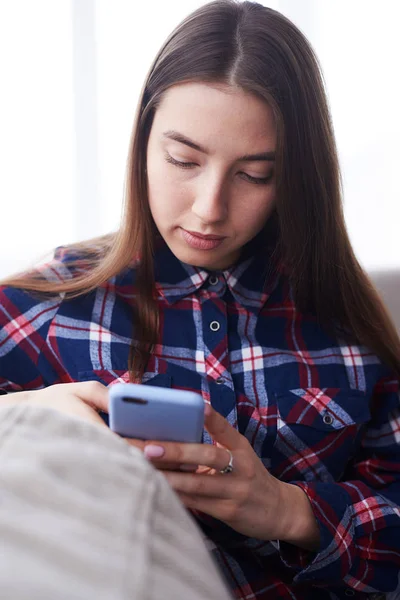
[{"x": 71, "y": 73}]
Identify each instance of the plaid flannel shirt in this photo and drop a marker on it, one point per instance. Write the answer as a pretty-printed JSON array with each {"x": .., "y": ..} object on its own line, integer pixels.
[{"x": 319, "y": 413}]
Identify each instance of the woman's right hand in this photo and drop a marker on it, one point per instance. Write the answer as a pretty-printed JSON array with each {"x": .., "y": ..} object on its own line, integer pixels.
[{"x": 82, "y": 400}]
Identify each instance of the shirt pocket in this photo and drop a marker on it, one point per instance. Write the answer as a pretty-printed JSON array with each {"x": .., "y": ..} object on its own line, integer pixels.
[{"x": 318, "y": 432}]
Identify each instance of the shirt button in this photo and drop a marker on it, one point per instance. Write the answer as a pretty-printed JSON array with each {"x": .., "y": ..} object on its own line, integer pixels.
[
  {"x": 213, "y": 279},
  {"x": 349, "y": 593},
  {"x": 219, "y": 380},
  {"x": 328, "y": 420},
  {"x": 214, "y": 325}
]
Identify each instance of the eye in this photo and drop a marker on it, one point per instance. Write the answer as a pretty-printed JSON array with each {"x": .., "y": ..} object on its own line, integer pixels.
[
  {"x": 178, "y": 163},
  {"x": 256, "y": 180},
  {"x": 191, "y": 165}
]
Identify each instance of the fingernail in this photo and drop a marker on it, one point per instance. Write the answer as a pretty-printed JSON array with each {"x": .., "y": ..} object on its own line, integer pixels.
[
  {"x": 152, "y": 451},
  {"x": 207, "y": 409}
]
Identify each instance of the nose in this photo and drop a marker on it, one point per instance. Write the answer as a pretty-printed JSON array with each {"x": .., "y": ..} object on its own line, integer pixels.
[{"x": 211, "y": 202}]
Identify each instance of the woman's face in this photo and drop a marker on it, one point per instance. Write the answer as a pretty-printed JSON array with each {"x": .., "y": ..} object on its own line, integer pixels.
[{"x": 210, "y": 167}]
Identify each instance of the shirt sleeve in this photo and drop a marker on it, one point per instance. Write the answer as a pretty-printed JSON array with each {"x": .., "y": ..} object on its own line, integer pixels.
[
  {"x": 359, "y": 517},
  {"x": 24, "y": 325},
  {"x": 28, "y": 347}
]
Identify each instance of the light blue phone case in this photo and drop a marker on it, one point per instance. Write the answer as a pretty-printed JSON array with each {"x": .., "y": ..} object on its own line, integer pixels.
[{"x": 155, "y": 413}]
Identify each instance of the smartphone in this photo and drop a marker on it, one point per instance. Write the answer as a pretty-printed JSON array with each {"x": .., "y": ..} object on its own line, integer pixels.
[{"x": 148, "y": 412}]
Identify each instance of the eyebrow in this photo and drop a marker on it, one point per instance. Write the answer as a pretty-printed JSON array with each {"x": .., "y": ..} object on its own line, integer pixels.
[{"x": 182, "y": 139}]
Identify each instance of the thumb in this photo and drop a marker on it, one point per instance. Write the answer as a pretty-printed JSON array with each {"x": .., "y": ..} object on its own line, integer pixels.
[{"x": 220, "y": 430}]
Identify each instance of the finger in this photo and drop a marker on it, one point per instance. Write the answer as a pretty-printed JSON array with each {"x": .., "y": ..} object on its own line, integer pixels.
[
  {"x": 187, "y": 454},
  {"x": 222, "y": 510},
  {"x": 220, "y": 430},
  {"x": 93, "y": 393},
  {"x": 162, "y": 466},
  {"x": 175, "y": 467},
  {"x": 136, "y": 443},
  {"x": 217, "y": 486},
  {"x": 188, "y": 468}
]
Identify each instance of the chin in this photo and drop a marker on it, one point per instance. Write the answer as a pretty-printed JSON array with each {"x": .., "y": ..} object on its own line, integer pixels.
[
  {"x": 195, "y": 259},
  {"x": 204, "y": 260},
  {"x": 191, "y": 257}
]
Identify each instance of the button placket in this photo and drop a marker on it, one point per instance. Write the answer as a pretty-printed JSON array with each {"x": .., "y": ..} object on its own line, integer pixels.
[
  {"x": 215, "y": 326},
  {"x": 214, "y": 279},
  {"x": 215, "y": 338}
]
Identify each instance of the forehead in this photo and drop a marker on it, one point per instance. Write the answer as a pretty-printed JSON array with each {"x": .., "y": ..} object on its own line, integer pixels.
[{"x": 220, "y": 117}]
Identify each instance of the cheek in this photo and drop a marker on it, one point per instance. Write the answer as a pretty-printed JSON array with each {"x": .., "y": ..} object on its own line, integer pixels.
[
  {"x": 159, "y": 185},
  {"x": 166, "y": 198},
  {"x": 253, "y": 214}
]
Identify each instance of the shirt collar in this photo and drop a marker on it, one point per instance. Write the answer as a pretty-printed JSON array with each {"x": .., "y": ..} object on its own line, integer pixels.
[{"x": 250, "y": 281}]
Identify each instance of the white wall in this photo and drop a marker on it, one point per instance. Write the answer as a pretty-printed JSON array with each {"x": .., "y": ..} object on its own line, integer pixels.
[
  {"x": 359, "y": 47},
  {"x": 70, "y": 84},
  {"x": 37, "y": 137}
]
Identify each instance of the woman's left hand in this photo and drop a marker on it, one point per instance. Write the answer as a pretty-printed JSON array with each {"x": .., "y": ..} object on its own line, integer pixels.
[{"x": 249, "y": 499}]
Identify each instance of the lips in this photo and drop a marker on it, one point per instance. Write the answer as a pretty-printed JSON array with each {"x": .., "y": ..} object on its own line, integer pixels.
[
  {"x": 200, "y": 241},
  {"x": 205, "y": 237}
]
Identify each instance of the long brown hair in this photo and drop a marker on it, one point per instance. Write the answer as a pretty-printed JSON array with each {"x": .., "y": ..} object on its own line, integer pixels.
[{"x": 258, "y": 49}]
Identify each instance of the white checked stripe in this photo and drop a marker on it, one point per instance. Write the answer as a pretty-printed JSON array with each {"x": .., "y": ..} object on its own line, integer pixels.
[
  {"x": 370, "y": 512},
  {"x": 100, "y": 335},
  {"x": 390, "y": 430},
  {"x": 214, "y": 366},
  {"x": 55, "y": 272},
  {"x": 230, "y": 279},
  {"x": 201, "y": 347},
  {"x": 193, "y": 361},
  {"x": 305, "y": 455},
  {"x": 253, "y": 358},
  {"x": 198, "y": 278},
  {"x": 20, "y": 329},
  {"x": 200, "y": 361},
  {"x": 24, "y": 325},
  {"x": 354, "y": 363},
  {"x": 312, "y": 399},
  {"x": 352, "y": 357}
]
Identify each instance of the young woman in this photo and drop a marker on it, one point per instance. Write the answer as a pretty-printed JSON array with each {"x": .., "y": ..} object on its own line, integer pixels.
[{"x": 234, "y": 269}]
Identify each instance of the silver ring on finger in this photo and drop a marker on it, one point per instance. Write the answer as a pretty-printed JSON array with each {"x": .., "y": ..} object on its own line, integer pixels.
[{"x": 229, "y": 466}]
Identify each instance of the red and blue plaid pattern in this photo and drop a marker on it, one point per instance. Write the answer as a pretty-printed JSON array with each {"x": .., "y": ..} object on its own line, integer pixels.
[{"x": 319, "y": 413}]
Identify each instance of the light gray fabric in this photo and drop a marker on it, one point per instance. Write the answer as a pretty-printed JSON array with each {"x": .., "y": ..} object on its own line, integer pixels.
[{"x": 84, "y": 516}]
